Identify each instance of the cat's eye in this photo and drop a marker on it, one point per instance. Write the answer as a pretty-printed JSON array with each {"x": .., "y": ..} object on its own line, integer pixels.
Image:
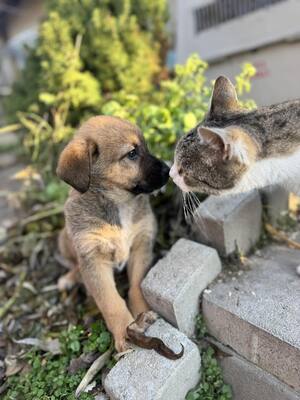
[{"x": 132, "y": 155}]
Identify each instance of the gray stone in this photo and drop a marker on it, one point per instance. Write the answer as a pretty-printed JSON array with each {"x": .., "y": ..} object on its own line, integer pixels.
[
  {"x": 8, "y": 140},
  {"x": 173, "y": 286},
  {"x": 7, "y": 178},
  {"x": 276, "y": 201},
  {"x": 7, "y": 160},
  {"x": 101, "y": 396},
  {"x": 228, "y": 223},
  {"x": 258, "y": 314},
  {"x": 3, "y": 235},
  {"x": 146, "y": 375},
  {"x": 249, "y": 382}
]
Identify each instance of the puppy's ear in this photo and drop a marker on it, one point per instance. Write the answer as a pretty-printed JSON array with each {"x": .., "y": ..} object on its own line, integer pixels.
[{"x": 74, "y": 164}]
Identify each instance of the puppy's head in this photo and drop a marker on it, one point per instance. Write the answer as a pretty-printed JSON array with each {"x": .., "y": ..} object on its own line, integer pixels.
[{"x": 110, "y": 153}]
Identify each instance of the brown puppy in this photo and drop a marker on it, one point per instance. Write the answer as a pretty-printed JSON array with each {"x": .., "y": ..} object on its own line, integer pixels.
[{"x": 109, "y": 221}]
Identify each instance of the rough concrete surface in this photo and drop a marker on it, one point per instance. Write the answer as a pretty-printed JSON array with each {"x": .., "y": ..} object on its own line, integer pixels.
[
  {"x": 173, "y": 286},
  {"x": 228, "y": 223},
  {"x": 276, "y": 201},
  {"x": 146, "y": 375},
  {"x": 259, "y": 314},
  {"x": 248, "y": 381}
]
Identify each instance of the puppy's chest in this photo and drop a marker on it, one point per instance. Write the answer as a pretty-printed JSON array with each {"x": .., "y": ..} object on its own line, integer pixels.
[{"x": 127, "y": 235}]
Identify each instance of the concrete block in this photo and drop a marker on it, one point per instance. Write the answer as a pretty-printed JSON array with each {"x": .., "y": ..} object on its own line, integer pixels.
[
  {"x": 173, "y": 286},
  {"x": 7, "y": 160},
  {"x": 258, "y": 315},
  {"x": 228, "y": 223},
  {"x": 146, "y": 375},
  {"x": 101, "y": 396},
  {"x": 9, "y": 140},
  {"x": 249, "y": 382},
  {"x": 276, "y": 201}
]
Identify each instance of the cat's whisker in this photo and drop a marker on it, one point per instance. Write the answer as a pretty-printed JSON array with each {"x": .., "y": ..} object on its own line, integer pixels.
[
  {"x": 198, "y": 218},
  {"x": 184, "y": 205}
]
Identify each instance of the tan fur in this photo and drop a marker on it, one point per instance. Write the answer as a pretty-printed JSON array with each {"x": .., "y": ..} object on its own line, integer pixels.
[{"x": 106, "y": 225}]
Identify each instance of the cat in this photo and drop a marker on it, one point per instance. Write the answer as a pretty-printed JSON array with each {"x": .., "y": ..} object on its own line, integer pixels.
[{"x": 236, "y": 150}]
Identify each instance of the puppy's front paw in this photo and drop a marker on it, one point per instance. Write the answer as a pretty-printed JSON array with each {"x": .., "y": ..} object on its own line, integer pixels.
[
  {"x": 67, "y": 281},
  {"x": 121, "y": 345}
]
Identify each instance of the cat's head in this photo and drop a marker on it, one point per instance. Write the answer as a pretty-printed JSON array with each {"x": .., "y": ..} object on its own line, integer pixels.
[{"x": 213, "y": 157}]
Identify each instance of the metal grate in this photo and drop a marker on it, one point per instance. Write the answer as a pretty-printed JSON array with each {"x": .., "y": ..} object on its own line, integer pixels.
[{"x": 224, "y": 10}]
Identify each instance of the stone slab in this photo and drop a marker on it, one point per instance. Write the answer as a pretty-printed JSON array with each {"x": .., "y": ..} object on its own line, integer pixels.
[
  {"x": 146, "y": 375},
  {"x": 258, "y": 315},
  {"x": 173, "y": 286},
  {"x": 229, "y": 223},
  {"x": 248, "y": 381}
]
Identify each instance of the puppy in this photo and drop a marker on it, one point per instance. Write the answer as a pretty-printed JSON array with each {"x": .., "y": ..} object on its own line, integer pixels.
[{"x": 109, "y": 221}]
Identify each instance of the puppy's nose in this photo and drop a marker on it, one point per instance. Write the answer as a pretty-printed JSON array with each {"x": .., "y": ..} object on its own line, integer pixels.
[{"x": 165, "y": 169}]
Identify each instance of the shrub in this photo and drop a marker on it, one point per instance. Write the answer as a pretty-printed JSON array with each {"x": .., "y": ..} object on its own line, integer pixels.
[
  {"x": 89, "y": 48},
  {"x": 95, "y": 57},
  {"x": 163, "y": 115}
]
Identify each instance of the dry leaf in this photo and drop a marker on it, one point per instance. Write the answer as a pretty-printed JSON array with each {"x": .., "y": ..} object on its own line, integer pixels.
[{"x": 51, "y": 345}]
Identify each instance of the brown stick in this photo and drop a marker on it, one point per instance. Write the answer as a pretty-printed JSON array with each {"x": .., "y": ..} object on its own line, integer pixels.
[
  {"x": 135, "y": 333},
  {"x": 281, "y": 236}
]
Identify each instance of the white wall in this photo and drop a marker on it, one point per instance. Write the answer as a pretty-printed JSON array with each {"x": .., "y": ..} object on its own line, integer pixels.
[
  {"x": 264, "y": 26},
  {"x": 278, "y": 68}
]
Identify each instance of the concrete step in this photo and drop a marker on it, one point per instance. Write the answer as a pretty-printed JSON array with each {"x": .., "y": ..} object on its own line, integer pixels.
[
  {"x": 174, "y": 285},
  {"x": 248, "y": 381},
  {"x": 7, "y": 181},
  {"x": 229, "y": 223},
  {"x": 8, "y": 141},
  {"x": 146, "y": 375},
  {"x": 258, "y": 315}
]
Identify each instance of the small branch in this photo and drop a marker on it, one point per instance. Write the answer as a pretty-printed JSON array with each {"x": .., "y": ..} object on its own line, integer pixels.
[
  {"x": 42, "y": 214},
  {"x": 13, "y": 299},
  {"x": 10, "y": 128},
  {"x": 278, "y": 235},
  {"x": 97, "y": 365}
]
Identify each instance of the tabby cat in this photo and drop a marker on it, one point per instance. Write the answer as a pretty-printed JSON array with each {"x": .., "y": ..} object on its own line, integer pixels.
[{"x": 235, "y": 150}]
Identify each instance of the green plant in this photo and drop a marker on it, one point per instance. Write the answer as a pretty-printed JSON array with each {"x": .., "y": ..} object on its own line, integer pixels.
[
  {"x": 87, "y": 48},
  {"x": 201, "y": 329},
  {"x": 47, "y": 378},
  {"x": 211, "y": 385},
  {"x": 176, "y": 107}
]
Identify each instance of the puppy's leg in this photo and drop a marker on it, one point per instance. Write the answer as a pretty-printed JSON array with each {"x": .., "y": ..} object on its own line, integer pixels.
[
  {"x": 99, "y": 280},
  {"x": 69, "y": 260},
  {"x": 138, "y": 265},
  {"x": 68, "y": 280}
]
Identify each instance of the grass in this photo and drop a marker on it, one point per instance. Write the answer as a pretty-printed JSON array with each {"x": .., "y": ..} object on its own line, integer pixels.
[
  {"x": 211, "y": 385},
  {"x": 47, "y": 376}
]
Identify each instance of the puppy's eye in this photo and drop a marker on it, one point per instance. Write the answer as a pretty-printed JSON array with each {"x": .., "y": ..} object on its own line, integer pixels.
[{"x": 132, "y": 155}]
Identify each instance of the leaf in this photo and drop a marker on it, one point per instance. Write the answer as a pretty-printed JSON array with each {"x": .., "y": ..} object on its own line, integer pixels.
[
  {"x": 47, "y": 98},
  {"x": 189, "y": 121},
  {"x": 97, "y": 365},
  {"x": 81, "y": 362},
  {"x": 13, "y": 365},
  {"x": 51, "y": 345}
]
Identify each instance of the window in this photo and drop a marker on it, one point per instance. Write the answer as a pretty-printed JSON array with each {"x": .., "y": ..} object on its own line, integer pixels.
[{"x": 225, "y": 10}]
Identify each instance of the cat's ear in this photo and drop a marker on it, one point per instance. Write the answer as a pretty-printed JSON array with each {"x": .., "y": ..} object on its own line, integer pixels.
[
  {"x": 224, "y": 98},
  {"x": 221, "y": 139}
]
